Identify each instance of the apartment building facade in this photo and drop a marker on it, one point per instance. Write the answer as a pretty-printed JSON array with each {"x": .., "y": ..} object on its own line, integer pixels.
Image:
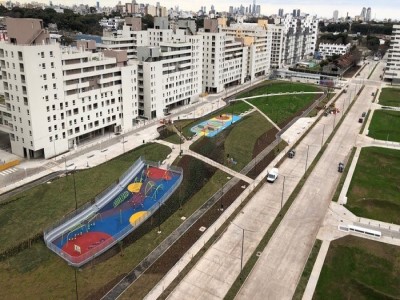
[
  {"x": 326, "y": 49},
  {"x": 293, "y": 39},
  {"x": 258, "y": 39},
  {"x": 58, "y": 97},
  {"x": 392, "y": 70}
]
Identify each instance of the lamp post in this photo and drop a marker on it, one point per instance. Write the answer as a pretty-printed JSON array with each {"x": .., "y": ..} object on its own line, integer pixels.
[
  {"x": 76, "y": 285},
  {"x": 159, "y": 218},
  {"x": 73, "y": 177},
  {"x": 180, "y": 140},
  {"x": 305, "y": 169},
  {"x": 283, "y": 190},
  {"x": 242, "y": 247}
]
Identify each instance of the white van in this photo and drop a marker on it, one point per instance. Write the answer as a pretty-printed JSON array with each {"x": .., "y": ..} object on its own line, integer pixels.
[{"x": 272, "y": 175}]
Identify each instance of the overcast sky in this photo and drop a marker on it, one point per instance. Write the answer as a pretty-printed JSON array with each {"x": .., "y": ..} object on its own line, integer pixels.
[{"x": 380, "y": 8}]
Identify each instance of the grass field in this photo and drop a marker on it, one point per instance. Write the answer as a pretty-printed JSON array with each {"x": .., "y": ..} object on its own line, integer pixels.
[
  {"x": 237, "y": 141},
  {"x": 389, "y": 97},
  {"x": 374, "y": 189},
  {"x": 279, "y": 87},
  {"x": 37, "y": 272},
  {"x": 385, "y": 125},
  {"x": 357, "y": 268},
  {"x": 280, "y": 108},
  {"x": 39, "y": 207}
]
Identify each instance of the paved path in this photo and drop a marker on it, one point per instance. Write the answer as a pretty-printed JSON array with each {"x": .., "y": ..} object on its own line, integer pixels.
[
  {"x": 276, "y": 274},
  {"x": 218, "y": 165},
  {"x": 213, "y": 275},
  {"x": 314, "y": 276}
]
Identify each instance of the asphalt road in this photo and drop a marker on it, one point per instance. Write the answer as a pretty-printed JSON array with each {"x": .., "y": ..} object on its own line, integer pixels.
[{"x": 276, "y": 274}]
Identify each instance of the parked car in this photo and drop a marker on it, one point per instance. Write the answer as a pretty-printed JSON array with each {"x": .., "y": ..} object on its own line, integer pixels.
[
  {"x": 272, "y": 175},
  {"x": 364, "y": 114},
  {"x": 360, "y": 120},
  {"x": 340, "y": 167}
]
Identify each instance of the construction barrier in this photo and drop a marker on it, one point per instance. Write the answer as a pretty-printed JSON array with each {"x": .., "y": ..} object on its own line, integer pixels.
[{"x": 9, "y": 164}]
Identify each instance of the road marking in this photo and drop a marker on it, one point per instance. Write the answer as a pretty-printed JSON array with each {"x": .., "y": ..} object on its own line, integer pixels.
[{"x": 8, "y": 171}]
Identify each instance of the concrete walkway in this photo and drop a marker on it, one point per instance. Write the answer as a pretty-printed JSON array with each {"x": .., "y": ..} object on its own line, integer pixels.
[
  {"x": 339, "y": 215},
  {"x": 277, "y": 271},
  {"x": 319, "y": 263},
  {"x": 213, "y": 275}
]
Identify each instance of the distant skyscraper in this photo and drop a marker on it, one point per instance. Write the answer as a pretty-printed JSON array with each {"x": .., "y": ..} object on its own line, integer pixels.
[
  {"x": 368, "y": 16},
  {"x": 280, "y": 12},
  {"x": 335, "y": 15},
  {"x": 363, "y": 13},
  {"x": 258, "y": 9},
  {"x": 231, "y": 10},
  {"x": 98, "y": 5},
  {"x": 294, "y": 12},
  {"x": 298, "y": 13}
]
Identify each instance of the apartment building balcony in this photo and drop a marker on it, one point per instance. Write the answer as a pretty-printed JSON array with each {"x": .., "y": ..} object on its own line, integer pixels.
[{"x": 108, "y": 79}]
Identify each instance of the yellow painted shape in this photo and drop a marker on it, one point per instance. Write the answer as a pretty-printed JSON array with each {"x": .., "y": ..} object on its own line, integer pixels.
[
  {"x": 134, "y": 187},
  {"x": 137, "y": 216}
]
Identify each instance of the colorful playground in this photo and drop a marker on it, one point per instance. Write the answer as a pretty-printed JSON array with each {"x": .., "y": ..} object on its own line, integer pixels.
[
  {"x": 124, "y": 212},
  {"x": 215, "y": 125}
]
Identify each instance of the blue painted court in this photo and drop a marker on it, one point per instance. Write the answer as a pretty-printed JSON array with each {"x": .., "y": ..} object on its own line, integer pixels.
[{"x": 213, "y": 126}]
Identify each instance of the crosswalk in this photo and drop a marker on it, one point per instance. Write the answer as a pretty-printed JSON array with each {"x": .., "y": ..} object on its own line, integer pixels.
[{"x": 8, "y": 171}]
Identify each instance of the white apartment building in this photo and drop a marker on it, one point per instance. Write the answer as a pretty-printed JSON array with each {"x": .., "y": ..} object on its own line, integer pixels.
[
  {"x": 128, "y": 38},
  {"x": 169, "y": 63},
  {"x": 224, "y": 61},
  {"x": 293, "y": 39},
  {"x": 277, "y": 42},
  {"x": 169, "y": 75},
  {"x": 327, "y": 49},
  {"x": 58, "y": 97},
  {"x": 392, "y": 71},
  {"x": 258, "y": 40}
]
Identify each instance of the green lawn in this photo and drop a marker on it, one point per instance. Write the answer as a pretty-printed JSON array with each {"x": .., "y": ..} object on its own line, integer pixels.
[
  {"x": 357, "y": 268},
  {"x": 39, "y": 207},
  {"x": 38, "y": 273},
  {"x": 390, "y": 97},
  {"x": 280, "y": 108},
  {"x": 237, "y": 141},
  {"x": 279, "y": 87},
  {"x": 385, "y": 125},
  {"x": 374, "y": 189}
]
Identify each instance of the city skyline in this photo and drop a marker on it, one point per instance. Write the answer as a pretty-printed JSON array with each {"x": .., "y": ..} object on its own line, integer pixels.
[{"x": 380, "y": 11}]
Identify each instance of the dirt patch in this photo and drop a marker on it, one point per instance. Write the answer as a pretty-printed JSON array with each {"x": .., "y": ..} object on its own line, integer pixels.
[
  {"x": 350, "y": 73},
  {"x": 167, "y": 260}
]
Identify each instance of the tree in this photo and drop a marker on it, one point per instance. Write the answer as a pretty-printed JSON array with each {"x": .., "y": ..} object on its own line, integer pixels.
[{"x": 147, "y": 21}]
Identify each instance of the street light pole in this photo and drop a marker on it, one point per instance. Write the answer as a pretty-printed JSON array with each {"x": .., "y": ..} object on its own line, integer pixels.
[
  {"x": 76, "y": 201},
  {"x": 241, "y": 256},
  {"x": 76, "y": 285},
  {"x": 305, "y": 170},
  {"x": 159, "y": 218},
  {"x": 283, "y": 191},
  {"x": 242, "y": 247},
  {"x": 180, "y": 140}
]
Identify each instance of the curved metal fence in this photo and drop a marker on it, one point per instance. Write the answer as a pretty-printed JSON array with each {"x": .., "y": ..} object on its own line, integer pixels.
[{"x": 90, "y": 210}]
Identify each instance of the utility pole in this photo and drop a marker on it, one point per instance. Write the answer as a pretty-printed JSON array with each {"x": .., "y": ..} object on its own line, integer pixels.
[
  {"x": 305, "y": 169},
  {"x": 283, "y": 191}
]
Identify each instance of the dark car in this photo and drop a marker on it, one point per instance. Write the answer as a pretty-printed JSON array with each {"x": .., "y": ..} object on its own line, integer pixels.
[
  {"x": 360, "y": 120},
  {"x": 363, "y": 114}
]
